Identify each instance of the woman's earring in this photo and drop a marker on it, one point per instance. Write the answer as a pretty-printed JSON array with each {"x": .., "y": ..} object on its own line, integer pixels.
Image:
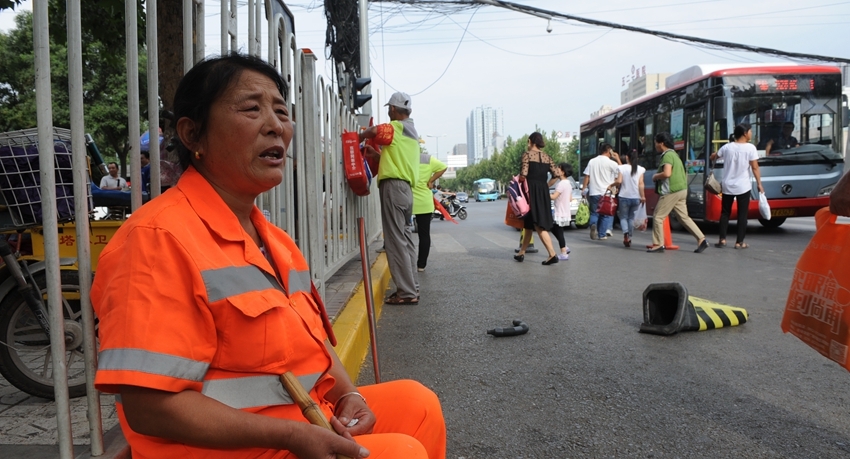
[{"x": 197, "y": 155}]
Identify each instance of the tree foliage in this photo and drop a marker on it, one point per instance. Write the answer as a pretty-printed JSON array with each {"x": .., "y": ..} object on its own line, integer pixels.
[
  {"x": 104, "y": 86},
  {"x": 506, "y": 163}
]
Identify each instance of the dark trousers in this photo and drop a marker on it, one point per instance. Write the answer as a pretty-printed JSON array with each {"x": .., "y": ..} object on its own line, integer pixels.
[
  {"x": 423, "y": 223},
  {"x": 558, "y": 231},
  {"x": 726, "y": 211}
]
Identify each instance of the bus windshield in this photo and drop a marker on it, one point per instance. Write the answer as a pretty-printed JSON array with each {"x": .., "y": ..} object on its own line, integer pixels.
[
  {"x": 485, "y": 186},
  {"x": 793, "y": 119},
  {"x": 485, "y": 190}
]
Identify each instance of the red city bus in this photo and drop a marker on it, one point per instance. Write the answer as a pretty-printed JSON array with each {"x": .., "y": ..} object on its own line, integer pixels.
[{"x": 700, "y": 108}]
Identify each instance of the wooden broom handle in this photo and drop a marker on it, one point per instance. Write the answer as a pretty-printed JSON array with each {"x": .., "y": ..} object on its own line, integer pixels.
[{"x": 308, "y": 407}]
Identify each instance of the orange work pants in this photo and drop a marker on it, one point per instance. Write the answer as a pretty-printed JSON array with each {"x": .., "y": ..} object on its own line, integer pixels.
[{"x": 409, "y": 422}]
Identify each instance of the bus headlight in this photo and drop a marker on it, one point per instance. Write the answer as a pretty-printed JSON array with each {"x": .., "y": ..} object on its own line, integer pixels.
[{"x": 825, "y": 191}]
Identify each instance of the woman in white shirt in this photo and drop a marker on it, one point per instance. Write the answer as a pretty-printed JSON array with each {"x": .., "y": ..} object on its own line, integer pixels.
[
  {"x": 739, "y": 156},
  {"x": 631, "y": 195}
]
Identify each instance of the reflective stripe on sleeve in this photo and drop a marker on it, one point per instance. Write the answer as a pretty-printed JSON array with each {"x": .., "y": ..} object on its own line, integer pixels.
[
  {"x": 152, "y": 363},
  {"x": 299, "y": 281},
  {"x": 254, "y": 391},
  {"x": 231, "y": 281}
]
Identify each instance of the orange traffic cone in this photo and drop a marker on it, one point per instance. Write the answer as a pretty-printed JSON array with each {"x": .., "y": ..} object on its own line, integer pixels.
[{"x": 668, "y": 237}]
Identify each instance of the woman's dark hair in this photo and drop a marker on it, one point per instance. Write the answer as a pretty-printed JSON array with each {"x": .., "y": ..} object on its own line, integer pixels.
[
  {"x": 740, "y": 131},
  {"x": 632, "y": 157},
  {"x": 536, "y": 138},
  {"x": 204, "y": 84},
  {"x": 567, "y": 168},
  {"x": 665, "y": 139}
]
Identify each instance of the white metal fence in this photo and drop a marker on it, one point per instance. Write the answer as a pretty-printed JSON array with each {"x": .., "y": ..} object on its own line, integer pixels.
[{"x": 313, "y": 204}]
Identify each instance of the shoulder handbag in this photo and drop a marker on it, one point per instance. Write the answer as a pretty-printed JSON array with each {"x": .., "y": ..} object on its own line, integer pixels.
[
  {"x": 711, "y": 183},
  {"x": 607, "y": 204}
]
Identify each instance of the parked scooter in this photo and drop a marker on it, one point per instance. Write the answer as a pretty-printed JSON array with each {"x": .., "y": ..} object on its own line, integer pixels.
[{"x": 453, "y": 207}]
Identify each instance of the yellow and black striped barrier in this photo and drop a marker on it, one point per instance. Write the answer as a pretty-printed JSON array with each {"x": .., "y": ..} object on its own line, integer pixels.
[
  {"x": 667, "y": 309},
  {"x": 713, "y": 315}
]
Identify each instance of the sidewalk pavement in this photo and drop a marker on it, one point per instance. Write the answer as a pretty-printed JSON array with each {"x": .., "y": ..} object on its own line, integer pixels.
[{"x": 28, "y": 425}]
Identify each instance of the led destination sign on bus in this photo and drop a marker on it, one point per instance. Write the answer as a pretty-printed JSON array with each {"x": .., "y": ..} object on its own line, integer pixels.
[{"x": 789, "y": 84}]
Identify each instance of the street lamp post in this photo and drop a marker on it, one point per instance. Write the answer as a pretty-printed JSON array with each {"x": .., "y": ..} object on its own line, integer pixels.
[{"x": 437, "y": 152}]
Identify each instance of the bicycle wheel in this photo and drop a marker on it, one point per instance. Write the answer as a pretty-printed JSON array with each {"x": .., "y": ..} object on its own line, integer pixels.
[{"x": 25, "y": 350}]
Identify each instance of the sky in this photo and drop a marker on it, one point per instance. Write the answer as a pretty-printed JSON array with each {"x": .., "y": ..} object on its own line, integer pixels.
[{"x": 451, "y": 62}]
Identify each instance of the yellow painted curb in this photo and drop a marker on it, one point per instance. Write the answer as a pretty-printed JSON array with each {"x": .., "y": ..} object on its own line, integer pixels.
[{"x": 351, "y": 326}]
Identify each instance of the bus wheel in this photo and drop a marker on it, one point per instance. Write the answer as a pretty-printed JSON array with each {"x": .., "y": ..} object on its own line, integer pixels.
[{"x": 773, "y": 223}]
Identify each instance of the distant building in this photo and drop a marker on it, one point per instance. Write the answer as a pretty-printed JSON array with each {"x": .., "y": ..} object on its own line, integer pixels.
[
  {"x": 460, "y": 149},
  {"x": 482, "y": 132},
  {"x": 565, "y": 137},
  {"x": 643, "y": 85},
  {"x": 602, "y": 110}
]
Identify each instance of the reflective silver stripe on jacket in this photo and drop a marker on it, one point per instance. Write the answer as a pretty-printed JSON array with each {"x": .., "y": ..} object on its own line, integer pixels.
[
  {"x": 253, "y": 391},
  {"x": 231, "y": 281},
  {"x": 299, "y": 281},
  {"x": 153, "y": 363},
  {"x": 424, "y": 158}
]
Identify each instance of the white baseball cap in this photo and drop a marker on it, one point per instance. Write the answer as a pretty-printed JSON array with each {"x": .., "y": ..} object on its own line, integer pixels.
[{"x": 400, "y": 100}]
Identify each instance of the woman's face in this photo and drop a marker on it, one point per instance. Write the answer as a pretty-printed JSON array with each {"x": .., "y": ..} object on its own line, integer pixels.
[{"x": 248, "y": 133}]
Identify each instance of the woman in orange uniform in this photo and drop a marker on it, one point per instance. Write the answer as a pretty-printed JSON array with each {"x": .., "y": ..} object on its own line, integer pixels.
[{"x": 203, "y": 304}]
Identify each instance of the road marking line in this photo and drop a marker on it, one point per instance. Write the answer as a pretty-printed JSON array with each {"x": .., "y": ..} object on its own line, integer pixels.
[{"x": 444, "y": 243}]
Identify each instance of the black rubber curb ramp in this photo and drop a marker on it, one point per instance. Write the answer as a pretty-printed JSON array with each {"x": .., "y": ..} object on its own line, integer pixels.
[{"x": 667, "y": 309}]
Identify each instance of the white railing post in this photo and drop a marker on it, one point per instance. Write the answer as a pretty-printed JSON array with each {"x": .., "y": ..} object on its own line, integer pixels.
[
  {"x": 153, "y": 99},
  {"x": 81, "y": 218},
  {"x": 44, "y": 118},
  {"x": 133, "y": 124},
  {"x": 311, "y": 165}
]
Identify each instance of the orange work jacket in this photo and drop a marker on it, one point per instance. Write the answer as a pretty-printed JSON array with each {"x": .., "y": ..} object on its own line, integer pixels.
[{"x": 187, "y": 301}]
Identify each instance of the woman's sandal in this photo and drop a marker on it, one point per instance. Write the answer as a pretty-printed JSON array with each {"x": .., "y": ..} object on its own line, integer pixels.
[
  {"x": 742, "y": 245},
  {"x": 720, "y": 244},
  {"x": 395, "y": 299},
  {"x": 519, "y": 258},
  {"x": 660, "y": 248}
]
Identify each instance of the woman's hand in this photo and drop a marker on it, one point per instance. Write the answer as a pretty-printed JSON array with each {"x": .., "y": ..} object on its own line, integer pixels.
[
  {"x": 314, "y": 442},
  {"x": 371, "y": 152},
  {"x": 348, "y": 409},
  {"x": 643, "y": 199}
]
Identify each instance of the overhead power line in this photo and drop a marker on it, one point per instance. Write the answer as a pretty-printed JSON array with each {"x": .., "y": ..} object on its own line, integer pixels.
[{"x": 549, "y": 14}]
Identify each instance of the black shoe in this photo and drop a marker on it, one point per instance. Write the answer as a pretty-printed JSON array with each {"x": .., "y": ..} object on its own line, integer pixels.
[
  {"x": 519, "y": 258},
  {"x": 552, "y": 260},
  {"x": 660, "y": 248},
  {"x": 702, "y": 246}
]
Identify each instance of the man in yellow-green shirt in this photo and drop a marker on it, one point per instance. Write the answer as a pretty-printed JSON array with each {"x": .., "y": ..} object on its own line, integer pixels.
[
  {"x": 398, "y": 173},
  {"x": 430, "y": 169}
]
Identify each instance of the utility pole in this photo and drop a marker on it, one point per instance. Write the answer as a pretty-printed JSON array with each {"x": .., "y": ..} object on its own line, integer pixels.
[{"x": 366, "y": 111}]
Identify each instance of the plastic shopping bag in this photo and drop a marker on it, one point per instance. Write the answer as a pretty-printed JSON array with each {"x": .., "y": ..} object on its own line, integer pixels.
[
  {"x": 511, "y": 219},
  {"x": 583, "y": 213},
  {"x": 816, "y": 310},
  {"x": 764, "y": 207},
  {"x": 640, "y": 218}
]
